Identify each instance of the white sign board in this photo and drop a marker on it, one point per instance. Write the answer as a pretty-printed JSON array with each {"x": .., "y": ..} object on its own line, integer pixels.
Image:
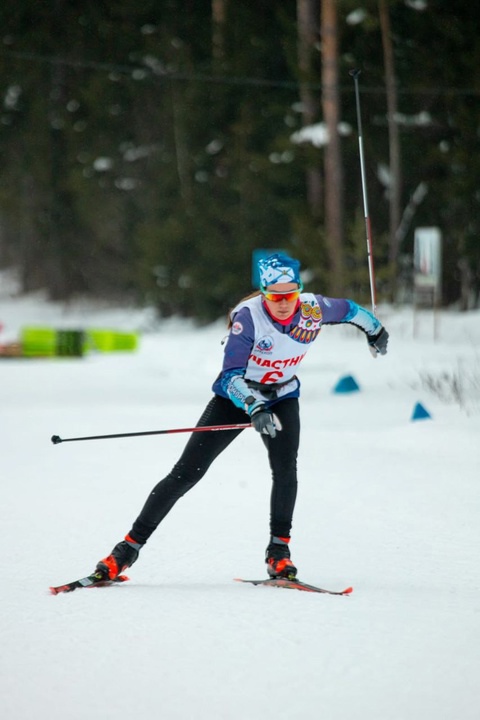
[{"x": 427, "y": 258}]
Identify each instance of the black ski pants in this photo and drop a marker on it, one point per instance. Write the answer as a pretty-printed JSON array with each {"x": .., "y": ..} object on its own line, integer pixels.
[{"x": 203, "y": 447}]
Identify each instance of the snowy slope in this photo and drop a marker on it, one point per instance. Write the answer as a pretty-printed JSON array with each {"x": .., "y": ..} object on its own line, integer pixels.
[{"x": 387, "y": 505}]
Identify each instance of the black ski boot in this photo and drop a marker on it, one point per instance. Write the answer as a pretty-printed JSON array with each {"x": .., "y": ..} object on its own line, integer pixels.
[
  {"x": 278, "y": 560},
  {"x": 123, "y": 555}
]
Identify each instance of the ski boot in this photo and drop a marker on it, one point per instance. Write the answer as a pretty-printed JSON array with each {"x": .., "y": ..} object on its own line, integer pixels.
[
  {"x": 278, "y": 560},
  {"x": 123, "y": 555}
]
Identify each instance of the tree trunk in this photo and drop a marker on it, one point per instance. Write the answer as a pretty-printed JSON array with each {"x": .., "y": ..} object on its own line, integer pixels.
[
  {"x": 333, "y": 164},
  {"x": 393, "y": 139},
  {"x": 219, "y": 21},
  {"x": 307, "y": 29}
]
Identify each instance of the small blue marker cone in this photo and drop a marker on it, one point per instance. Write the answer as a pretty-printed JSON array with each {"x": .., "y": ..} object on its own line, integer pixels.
[
  {"x": 346, "y": 384},
  {"x": 420, "y": 413}
]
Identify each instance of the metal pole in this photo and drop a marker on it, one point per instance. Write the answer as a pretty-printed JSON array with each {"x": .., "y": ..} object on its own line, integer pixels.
[
  {"x": 371, "y": 269},
  {"x": 56, "y": 439}
]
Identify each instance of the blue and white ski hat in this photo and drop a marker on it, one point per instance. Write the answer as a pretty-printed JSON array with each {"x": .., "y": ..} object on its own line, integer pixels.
[{"x": 278, "y": 268}]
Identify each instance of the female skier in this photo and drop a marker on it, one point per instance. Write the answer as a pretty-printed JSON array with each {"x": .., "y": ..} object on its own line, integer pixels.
[{"x": 269, "y": 335}]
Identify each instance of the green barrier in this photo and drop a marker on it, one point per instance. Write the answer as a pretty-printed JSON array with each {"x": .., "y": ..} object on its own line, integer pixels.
[
  {"x": 48, "y": 342},
  {"x": 70, "y": 343},
  {"x": 125, "y": 341},
  {"x": 111, "y": 340},
  {"x": 99, "y": 340},
  {"x": 38, "y": 341}
]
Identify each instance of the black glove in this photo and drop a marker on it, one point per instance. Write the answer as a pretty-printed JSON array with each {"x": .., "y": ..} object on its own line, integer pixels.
[
  {"x": 262, "y": 419},
  {"x": 378, "y": 343}
]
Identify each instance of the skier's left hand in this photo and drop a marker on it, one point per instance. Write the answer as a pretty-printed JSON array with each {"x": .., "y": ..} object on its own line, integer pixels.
[{"x": 378, "y": 343}]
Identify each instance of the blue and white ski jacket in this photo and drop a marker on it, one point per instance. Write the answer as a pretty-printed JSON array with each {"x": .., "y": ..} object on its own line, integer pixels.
[{"x": 262, "y": 356}]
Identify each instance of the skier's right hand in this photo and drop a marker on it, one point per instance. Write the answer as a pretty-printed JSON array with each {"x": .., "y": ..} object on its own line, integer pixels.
[{"x": 262, "y": 418}]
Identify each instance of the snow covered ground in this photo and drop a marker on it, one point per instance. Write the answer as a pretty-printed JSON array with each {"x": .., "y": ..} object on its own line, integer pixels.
[{"x": 386, "y": 504}]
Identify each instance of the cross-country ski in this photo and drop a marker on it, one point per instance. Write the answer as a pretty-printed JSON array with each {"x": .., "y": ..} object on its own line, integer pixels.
[{"x": 294, "y": 584}]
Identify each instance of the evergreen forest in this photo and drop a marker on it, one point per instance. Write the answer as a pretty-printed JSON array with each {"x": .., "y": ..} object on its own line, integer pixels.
[{"x": 148, "y": 149}]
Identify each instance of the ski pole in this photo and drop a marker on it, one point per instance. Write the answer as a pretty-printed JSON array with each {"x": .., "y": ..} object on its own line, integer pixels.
[
  {"x": 56, "y": 439},
  {"x": 371, "y": 271}
]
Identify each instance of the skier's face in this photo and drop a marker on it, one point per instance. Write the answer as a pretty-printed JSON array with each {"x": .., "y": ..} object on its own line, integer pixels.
[{"x": 281, "y": 299}]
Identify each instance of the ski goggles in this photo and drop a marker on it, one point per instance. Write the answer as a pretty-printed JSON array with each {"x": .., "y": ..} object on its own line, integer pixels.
[{"x": 279, "y": 296}]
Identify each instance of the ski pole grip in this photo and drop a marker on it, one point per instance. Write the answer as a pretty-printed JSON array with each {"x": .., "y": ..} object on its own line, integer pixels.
[{"x": 56, "y": 439}]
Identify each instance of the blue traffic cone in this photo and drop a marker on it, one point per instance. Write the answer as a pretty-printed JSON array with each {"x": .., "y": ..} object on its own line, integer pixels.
[
  {"x": 346, "y": 384},
  {"x": 420, "y": 413}
]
